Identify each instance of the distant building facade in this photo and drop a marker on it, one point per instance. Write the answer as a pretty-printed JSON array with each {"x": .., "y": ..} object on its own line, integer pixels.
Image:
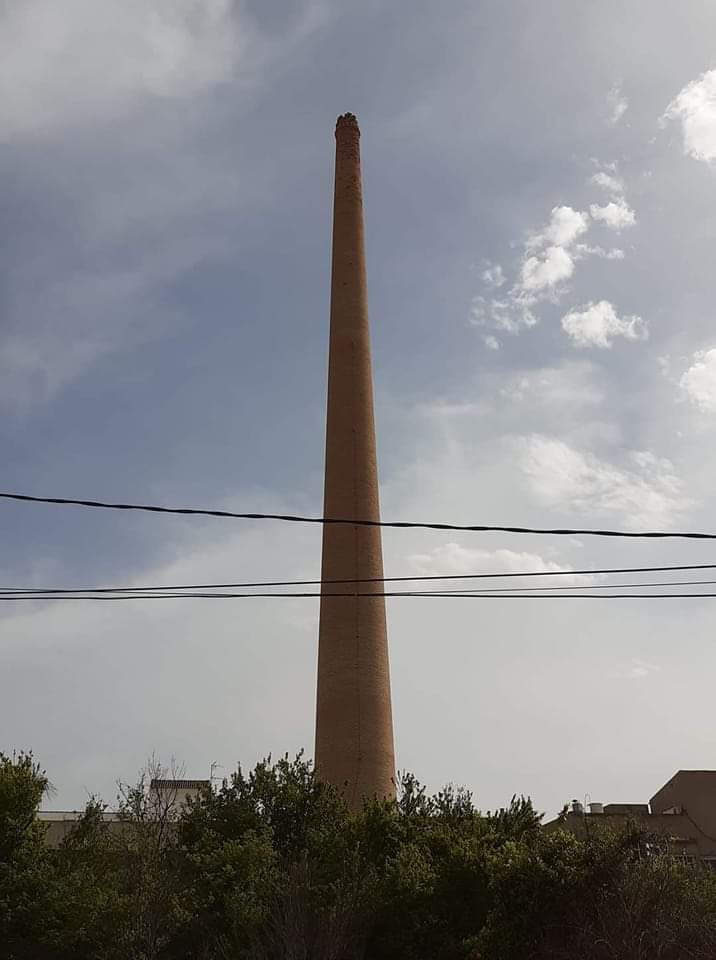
[
  {"x": 59, "y": 824},
  {"x": 165, "y": 798},
  {"x": 682, "y": 813}
]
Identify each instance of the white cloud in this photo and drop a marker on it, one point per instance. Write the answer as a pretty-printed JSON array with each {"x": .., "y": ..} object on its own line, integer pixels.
[
  {"x": 699, "y": 381},
  {"x": 617, "y": 103},
  {"x": 637, "y": 670},
  {"x": 548, "y": 263},
  {"x": 89, "y": 60},
  {"x": 508, "y": 315},
  {"x": 648, "y": 493},
  {"x": 572, "y": 384},
  {"x": 565, "y": 225},
  {"x": 551, "y": 268},
  {"x": 614, "y": 253},
  {"x": 453, "y": 558},
  {"x": 596, "y": 325},
  {"x": 608, "y": 182},
  {"x": 615, "y": 214},
  {"x": 695, "y": 106},
  {"x": 551, "y": 250},
  {"x": 493, "y": 276},
  {"x": 492, "y": 343}
]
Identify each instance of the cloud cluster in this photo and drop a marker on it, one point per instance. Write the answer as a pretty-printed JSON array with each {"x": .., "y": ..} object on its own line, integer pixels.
[
  {"x": 646, "y": 493},
  {"x": 695, "y": 107},
  {"x": 549, "y": 260},
  {"x": 597, "y": 324},
  {"x": 616, "y": 214},
  {"x": 547, "y": 264},
  {"x": 551, "y": 251}
]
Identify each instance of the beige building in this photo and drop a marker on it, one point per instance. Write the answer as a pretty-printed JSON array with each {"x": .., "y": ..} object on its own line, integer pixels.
[
  {"x": 682, "y": 812},
  {"x": 59, "y": 823},
  {"x": 164, "y": 799}
]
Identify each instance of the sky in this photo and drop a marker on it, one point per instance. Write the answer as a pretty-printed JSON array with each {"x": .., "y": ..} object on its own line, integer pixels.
[{"x": 540, "y": 200}]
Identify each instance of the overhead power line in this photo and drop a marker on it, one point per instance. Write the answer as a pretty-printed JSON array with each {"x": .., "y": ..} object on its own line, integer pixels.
[
  {"x": 434, "y": 595},
  {"x": 399, "y": 524},
  {"x": 561, "y": 586},
  {"x": 413, "y": 578}
]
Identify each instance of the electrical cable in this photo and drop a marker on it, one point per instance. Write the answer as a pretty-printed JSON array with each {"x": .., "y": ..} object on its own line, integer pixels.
[
  {"x": 399, "y": 524},
  {"x": 442, "y": 595},
  {"x": 311, "y": 583},
  {"x": 166, "y": 591}
]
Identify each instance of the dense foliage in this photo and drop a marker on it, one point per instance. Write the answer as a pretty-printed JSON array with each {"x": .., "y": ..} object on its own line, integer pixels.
[{"x": 272, "y": 865}]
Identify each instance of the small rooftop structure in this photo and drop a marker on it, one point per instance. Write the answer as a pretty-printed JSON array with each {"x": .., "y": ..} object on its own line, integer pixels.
[{"x": 157, "y": 785}]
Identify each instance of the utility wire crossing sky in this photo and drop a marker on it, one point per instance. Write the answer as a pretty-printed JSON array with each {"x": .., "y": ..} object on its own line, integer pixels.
[
  {"x": 429, "y": 594},
  {"x": 400, "y": 524},
  {"x": 308, "y": 583}
]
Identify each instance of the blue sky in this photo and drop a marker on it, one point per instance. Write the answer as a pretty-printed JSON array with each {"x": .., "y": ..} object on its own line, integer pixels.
[{"x": 540, "y": 199}]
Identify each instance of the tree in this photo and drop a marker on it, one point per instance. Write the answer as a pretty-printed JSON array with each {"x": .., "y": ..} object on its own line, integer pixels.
[
  {"x": 25, "y": 862},
  {"x": 611, "y": 895},
  {"x": 145, "y": 850},
  {"x": 265, "y": 857},
  {"x": 273, "y": 865}
]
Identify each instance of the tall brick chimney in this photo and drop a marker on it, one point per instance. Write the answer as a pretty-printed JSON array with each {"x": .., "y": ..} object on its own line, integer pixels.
[{"x": 354, "y": 724}]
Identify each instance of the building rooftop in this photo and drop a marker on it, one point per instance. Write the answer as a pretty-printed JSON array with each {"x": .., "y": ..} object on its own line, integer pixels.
[
  {"x": 71, "y": 815},
  {"x": 682, "y": 812},
  {"x": 179, "y": 784}
]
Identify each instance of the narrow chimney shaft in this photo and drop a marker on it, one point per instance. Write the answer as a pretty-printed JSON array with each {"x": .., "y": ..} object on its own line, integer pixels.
[{"x": 354, "y": 726}]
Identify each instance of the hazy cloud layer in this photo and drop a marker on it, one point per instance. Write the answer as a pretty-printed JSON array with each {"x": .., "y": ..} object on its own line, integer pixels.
[
  {"x": 645, "y": 493},
  {"x": 88, "y": 62},
  {"x": 453, "y": 558},
  {"x": 166, "y": 192}
]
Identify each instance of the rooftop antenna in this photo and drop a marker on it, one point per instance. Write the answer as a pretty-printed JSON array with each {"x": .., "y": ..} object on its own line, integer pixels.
[{"x": 214, "y": 766}]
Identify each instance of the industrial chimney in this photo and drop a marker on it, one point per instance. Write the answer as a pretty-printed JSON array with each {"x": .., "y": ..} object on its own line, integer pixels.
[{"x": 354, "y": 725}]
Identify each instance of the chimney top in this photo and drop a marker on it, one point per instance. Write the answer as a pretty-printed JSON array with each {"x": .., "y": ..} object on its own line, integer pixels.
[{"x": 347, "y": 122}]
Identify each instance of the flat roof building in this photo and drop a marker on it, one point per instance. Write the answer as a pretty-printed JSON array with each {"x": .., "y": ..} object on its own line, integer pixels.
[
  {"x": 682, "y": 812},
  {"x": 165, "y": 799}
]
